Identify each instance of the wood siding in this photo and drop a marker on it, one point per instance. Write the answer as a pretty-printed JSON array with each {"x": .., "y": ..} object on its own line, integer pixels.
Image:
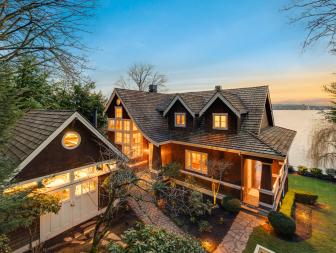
[
  {"x": 179, "y": 108},
  {"x": 55, "y": 158},
  {"x": 219, "y": 107}
]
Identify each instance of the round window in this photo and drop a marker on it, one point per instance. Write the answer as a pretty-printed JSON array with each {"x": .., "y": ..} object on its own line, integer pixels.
[{"x": 71, "y": 140}]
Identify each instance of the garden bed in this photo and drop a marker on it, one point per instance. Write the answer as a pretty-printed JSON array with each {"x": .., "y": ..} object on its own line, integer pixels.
[{"x": 219, "y": 220}]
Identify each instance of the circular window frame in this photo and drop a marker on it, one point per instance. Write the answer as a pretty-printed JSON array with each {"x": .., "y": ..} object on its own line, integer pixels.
[{"x": 74, "y": 147}]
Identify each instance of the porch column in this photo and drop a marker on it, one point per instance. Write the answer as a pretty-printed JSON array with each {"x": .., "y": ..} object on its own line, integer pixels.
[
  {"x": 265, "y": 196},
  {"x": 155, "y": 162}
]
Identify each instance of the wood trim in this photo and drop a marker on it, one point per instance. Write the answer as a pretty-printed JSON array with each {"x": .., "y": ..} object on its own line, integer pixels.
[
  {"x": 266, "y": 205},
  {"x": 177, "y": 97},
  {"x": 225, "y": 101},
  {"x": 224, "y": 149},
  {"x": 234, "y": 186}
]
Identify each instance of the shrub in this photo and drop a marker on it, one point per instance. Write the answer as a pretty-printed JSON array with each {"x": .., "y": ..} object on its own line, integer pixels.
[
  {"x": 4, "y": 244},
  {"x": 331, "y": 172},
  {"x": 196, "y": 206},
  {"x": 204, "y": 226},
  {"x": 282, "y": 224},
  {"x": 159, "y": 188},
  {"x": 144, "y": 238},
  {"x": 171, "y": 169},
  {"x": 302, "y": 170},
  {"x": 290, "y": 169},
  {"x": 306, "y": 198},
  {"x": 288, "y": 203},
  {"x": 316, "y": 172},
  {"x": 231, "y": 204}
]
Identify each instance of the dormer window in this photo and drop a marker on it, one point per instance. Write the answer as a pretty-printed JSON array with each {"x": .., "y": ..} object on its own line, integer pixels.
[
  {"x": 118, "y": 112},
  {"x": 220, "y": 121},
  {"x": 180, "y": 119}
]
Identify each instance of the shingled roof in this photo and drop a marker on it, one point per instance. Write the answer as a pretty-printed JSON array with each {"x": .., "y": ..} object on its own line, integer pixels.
[{"x": 146, "y": 110}]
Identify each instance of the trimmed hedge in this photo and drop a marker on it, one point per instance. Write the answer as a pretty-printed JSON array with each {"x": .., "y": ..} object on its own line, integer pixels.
[
  {"x": 306, "y": 198},
  {"x": 282, "y": 224},
  {"x": 288, "y": 203},
  {"x": 316, "y": 172},
  {"x": 231, "y": 204},
  {"x": 302, "y": 170}
]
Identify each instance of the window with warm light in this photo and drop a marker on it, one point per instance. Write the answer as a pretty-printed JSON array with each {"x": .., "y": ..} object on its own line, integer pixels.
[
  {"x": 220, "y": 121},
  {"x": 127, "y": 125},
  {"x": 118, "y": 137},
  {"x": 111, "y": 124},
  {"x": 118, "y": 112},
  {"x": 63, "y": 195},
  {"x": 127, "y": 138},
  {"x": 196, "y": 161},
  {"x": 71, "y": 140},
  {"x": 57, "y": 180},
  {"x": 180, "y": 119},
  {"x": 86, "y": 172},
  {"x": 118, "y": 124},
  {"x": 134, "y": 127}
]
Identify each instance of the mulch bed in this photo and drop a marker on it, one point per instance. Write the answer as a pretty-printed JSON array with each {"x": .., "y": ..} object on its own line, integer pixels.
[
  {"x": 303, "y": 218},
  {"x": 219, "y": 219}
]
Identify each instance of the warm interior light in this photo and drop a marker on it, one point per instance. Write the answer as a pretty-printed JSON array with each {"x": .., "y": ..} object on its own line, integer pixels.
[
  {"x": 54, "y": 183},
  {"x": 71, "y": 140}
]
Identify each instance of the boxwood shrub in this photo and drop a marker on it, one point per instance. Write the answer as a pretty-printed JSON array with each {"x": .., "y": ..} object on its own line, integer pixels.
[
  {"x": 282, "y": 224},
  {"x": 316, "y": 172},
  {"x": 306, "y": 198},
  {"x": 231, "y": 204},
  {"x": 288, "y": 204},
  {"x": 302, "y": 170}
]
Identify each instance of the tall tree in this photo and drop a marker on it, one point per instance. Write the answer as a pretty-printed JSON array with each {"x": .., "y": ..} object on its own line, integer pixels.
[
  {"x": 140, "y": 76},
  {"x": 48, "y": 29},
  {"x": 319, "y": 19},
  {"x": 82, "y": 97}
]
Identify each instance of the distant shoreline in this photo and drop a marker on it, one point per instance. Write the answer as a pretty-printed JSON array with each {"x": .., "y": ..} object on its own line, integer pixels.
[{"x": 300, "y": 107}]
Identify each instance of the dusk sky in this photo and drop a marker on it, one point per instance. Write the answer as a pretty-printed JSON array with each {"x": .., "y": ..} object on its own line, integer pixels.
[{"x": 200, "y": 44}]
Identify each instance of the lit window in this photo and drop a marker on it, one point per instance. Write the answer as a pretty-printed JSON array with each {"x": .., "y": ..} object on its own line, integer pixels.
[
  {"x": 118, "y": 112},
  {"x": 62, "y": 195},
  {"x": 137, "y": 138},
  {"x": 111, "y": 124},
  {"x": 127, "y": 151},
  {"x": 83, "y": 173},
  {"x": 196, "y": 161},
  {"x": 56, "y": 180},
  {"x": 180, "y": 120},
  {"x": 137, "y": 150},
  {"x": 134, "y": 127},
  {"x": 220, "y": 121},
  {"x": 118, "y": 137},
  {"x": 127, "y": 138},
  {"x": 22, "y": 187},
  {"x": 88, "y": 186},
  {"x": 71, "y": 140},
  {"x": 127, "y": 125},
  {"x": 118, "y": 124}
]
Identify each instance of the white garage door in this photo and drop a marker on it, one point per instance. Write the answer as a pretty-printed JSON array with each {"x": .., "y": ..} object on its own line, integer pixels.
[{"x": 79, "y": 203}]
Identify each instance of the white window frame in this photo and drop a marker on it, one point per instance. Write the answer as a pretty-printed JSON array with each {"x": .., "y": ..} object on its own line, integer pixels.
[
  {"x": 185, "y": 119},
  {"x": 188, "y": 155},
  {"x": 220, "y": 114}
]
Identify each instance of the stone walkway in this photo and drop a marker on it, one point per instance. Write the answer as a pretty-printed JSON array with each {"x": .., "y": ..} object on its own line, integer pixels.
[
  {"x": 236, "y": 238},
  {"x": 150, "y": 214}
]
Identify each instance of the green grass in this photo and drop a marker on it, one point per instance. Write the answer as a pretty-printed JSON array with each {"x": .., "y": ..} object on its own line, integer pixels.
[{"x": 324, "y": 222}]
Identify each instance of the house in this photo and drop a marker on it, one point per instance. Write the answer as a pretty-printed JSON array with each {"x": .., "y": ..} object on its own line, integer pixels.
[
  {"x": 196, "y": 129},
  {"x": 70, "y": 158}
]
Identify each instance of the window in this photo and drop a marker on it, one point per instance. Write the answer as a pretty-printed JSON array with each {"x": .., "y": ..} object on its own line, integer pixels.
[
  {"x": 62, "y": 195},
  {"x": 127, "y": 138},
  {"x": 88, "y": 186},
  {"x": 118, "y": 124},
  {"x": 127, "y": 125},
  {"x": 111, "y": 124},
  {"x": 220, "y": 121},
  {"x": 118, "y": 112},
  {"x": 118, "y": 137},
  {"x": 83, "y": 173},
  {"x": 180, "y": 119},
  {"x": 134, "y": 127},
  {"x": 196, "y": 161},
  {"x": 71, "y": 140},
  {"x": 56, "y": 180}
]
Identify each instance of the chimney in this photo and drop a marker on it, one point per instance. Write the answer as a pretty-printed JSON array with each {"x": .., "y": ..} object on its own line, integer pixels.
[
  {"x": 218, "y": 88},
  {"x": 152, "y": 88},
  {"x": 95, "y": 118}
]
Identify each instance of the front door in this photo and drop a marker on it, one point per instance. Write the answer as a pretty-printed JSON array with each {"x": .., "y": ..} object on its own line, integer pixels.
[
  {"x": 79, "y": 203},
  {"x": 252, "y": 179}
]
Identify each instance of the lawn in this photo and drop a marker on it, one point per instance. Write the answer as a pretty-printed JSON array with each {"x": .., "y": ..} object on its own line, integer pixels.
[{"x": 324, "y": 222}]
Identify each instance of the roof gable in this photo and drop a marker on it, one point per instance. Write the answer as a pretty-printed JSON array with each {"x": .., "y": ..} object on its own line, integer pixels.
[
  {"x": 37, "y": 128},
  {"x": 171, "y": 104},
  {"x": 218, "y": 95}
]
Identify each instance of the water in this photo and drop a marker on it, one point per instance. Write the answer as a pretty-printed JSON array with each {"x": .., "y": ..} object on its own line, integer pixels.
[{"x": 304, "y": 123}]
